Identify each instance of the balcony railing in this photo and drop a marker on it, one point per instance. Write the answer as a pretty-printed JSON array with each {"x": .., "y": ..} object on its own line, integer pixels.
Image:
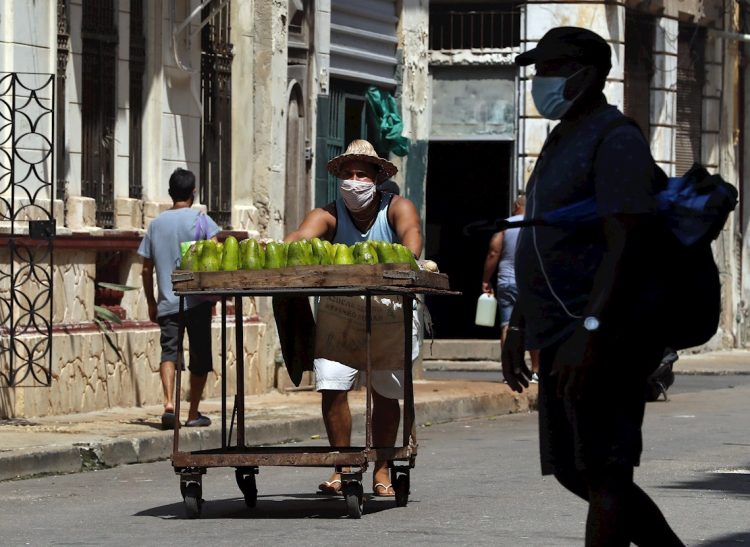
[{"x": 475, "y": 29}]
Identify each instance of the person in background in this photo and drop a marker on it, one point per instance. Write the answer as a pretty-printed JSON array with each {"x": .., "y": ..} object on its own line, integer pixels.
[
  {"x": 500, "y": 260},
  {"x": 363, "y": 212},
  {"x": 160, "y": 249}
]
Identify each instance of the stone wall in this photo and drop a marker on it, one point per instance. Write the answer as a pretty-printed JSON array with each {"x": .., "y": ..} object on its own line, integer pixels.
[{"x": 88, "y": 374}]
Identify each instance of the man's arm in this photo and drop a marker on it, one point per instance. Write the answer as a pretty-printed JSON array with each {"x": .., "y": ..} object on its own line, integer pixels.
[
  {"x": 405, "y": 220},
  {"x": 490, "y": 263},
  {"x": 318, "y": 223},
  {"x": 147, "y": 275},
  {"x": 580, "y": 351}
]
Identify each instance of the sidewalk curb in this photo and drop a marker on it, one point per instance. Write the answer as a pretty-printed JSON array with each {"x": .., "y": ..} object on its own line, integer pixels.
[
  {"x": 688, "y": 369},
  {"x": 155, "y": 446}
]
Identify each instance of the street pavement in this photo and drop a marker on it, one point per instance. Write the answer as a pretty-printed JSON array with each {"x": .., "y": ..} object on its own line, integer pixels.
[
  {"x": 94, "y": 440},
  {"x": 451, "y": 390},
  {"x": 476, "y": 483}
]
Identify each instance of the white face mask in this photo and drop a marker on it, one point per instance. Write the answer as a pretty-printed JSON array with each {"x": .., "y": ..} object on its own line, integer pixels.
[
  {"x": 548, "y": 95},
  {"x": 357, "y": 195}
]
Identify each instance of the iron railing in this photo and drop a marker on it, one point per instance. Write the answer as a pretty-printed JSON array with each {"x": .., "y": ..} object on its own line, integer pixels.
[
  {"x": 27, "y": 160},
  {"x": 474, "y": 29}
]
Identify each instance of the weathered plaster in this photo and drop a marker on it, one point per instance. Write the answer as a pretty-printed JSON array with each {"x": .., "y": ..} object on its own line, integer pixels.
[
  {"x": 88, "y": 375},
  {"x": 474, "y": 57}
]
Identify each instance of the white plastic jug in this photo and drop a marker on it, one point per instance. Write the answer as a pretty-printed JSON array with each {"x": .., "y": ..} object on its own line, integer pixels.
[{"x": 486, "y": 310}]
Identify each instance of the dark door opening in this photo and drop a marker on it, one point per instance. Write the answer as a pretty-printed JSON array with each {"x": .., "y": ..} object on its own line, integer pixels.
[{"x": 468, "y": 188}]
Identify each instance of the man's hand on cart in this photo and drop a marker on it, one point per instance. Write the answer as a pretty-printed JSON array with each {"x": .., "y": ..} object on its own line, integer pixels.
[{"x": 515, "y": 371}]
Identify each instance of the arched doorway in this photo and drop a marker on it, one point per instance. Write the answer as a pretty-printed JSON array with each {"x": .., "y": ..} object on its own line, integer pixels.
[{"x": 296, "y": 202}]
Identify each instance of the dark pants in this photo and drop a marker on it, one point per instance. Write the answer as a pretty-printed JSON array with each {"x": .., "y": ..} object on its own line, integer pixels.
[{"x": 603, "y": 426}]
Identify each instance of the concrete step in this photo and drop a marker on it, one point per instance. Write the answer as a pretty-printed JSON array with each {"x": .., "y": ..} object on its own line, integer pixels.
[
  {"x": 461, "y": 350},
  {"x": 463, "y": 366}
]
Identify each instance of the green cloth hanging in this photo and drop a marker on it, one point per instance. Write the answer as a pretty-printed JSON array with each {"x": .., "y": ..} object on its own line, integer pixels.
[{"x": 386, "y": 122}]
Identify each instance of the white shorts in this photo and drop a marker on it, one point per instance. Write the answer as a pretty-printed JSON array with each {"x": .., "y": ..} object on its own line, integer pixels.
[{"x": 332, "y": 375}]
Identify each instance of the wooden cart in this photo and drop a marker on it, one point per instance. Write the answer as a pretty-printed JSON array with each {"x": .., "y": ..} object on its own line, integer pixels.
[{"x": 303, "y": 281}]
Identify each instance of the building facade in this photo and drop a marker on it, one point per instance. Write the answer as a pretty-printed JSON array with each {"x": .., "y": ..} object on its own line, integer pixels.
[{"x": 255, "y": 97}]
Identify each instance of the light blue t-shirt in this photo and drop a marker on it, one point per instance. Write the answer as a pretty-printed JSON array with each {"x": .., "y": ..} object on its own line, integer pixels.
[{"x": 162, "y": 245}]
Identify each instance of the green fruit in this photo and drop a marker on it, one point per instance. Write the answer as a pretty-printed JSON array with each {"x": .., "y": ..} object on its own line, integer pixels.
[
  {"x": 300, "y": 253},
  {"x": 252, "y": 255},
  {"x": 321, "y": 254},
  {"x": 343, "y": 254},
  {"x": 242, "y": 265},
  {"x": 329, "y": 247},
  {"x": 231, "y": 257},
  {"x": 276, "y": 255},
  {"x": 386, "y": 252},
  {"x": 209, "y": 257},
  {"x": 404, "y": 256},
  {"x": 364, "y": 253}
]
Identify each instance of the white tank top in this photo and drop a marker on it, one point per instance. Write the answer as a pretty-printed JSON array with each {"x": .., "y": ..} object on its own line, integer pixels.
[{"x": 506, "y": 268}]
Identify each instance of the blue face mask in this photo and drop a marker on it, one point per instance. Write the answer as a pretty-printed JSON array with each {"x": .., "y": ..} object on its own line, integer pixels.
[{"x": 547, "y": 92}]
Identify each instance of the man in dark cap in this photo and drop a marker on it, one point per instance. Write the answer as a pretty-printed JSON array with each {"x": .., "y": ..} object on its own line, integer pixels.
[{"x": 582, "y": 289}]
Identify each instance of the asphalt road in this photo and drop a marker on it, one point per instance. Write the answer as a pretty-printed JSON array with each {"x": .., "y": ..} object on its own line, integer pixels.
[{"x": 476, "y": 483}]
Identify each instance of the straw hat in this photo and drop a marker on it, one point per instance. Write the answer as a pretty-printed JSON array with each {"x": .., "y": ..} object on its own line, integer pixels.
[{"x": 361, "y": 150}]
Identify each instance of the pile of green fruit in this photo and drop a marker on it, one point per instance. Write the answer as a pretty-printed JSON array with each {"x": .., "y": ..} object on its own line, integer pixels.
[{"x": 250, "y": 254}]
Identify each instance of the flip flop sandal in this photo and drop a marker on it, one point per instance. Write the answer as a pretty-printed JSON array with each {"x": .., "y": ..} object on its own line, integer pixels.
[
  {"x": 384, "y": 493},
  {"x": 330, "y": 488},
  {"x": 200, "y": 421},
  {"x": 167, "y": 420}
]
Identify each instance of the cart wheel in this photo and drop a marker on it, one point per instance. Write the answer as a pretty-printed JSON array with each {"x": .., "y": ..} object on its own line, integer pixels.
[
  {"x": 401, "y": 488},
  {"x": 248, "y": 487},
  {"x": 192, "y": 499},
  {"x": 354, "y": 495}
]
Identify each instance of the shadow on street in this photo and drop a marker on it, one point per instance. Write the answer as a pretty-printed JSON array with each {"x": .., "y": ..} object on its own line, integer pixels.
[
  {"x": 291, "y": 506},
  {"x": 736, "y": 482},
  {"x": 730, "y": 539}
]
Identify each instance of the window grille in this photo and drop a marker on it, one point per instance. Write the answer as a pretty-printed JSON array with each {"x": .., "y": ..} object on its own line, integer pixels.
[
  {"x": 474, "y": 27},
  {"x": 98, "y": 106}
]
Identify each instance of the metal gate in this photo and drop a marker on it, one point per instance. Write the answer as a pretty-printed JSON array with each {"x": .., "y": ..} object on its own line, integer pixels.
[
  {"x": 27, "y": 227},
  {"x": 216, "y": 129},
  {"x": 98, "y": 107},
  {"x": 341, "y": 119}
]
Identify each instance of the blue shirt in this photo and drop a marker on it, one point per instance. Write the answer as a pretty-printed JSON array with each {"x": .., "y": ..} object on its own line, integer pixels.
[
  {"x": 555, "y": 266},
  {"x": 162, "y": 245},
  {"x": 381, "y": 230}
]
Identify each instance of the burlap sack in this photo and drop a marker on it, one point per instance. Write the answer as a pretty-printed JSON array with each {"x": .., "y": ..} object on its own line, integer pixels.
[{"x": 340, "y": 331}]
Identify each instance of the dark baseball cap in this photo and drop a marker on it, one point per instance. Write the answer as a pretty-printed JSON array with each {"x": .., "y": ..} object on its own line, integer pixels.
[{"x": 574, "y": 43}]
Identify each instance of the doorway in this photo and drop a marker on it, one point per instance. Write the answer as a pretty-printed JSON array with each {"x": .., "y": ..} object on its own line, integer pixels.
[{"x": 468, "y": 189}]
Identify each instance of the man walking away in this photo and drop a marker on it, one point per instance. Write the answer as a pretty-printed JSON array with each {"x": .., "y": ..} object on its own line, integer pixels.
[{"x": 160, "y": 250}]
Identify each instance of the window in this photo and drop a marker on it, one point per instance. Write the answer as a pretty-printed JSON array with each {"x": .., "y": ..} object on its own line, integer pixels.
[
  {"x": 474, "y": 26},
  {"x": 137, "y": 63},
  {"x": 640, "y": 31},
  {"x": 690, "y": 78},
  {"x": 98, "y": 106},
  {"x": 216, "y": 126}
]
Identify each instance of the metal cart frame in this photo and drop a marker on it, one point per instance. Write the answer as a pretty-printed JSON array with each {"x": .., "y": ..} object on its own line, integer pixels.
[{"x": 191, "y": 466}]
